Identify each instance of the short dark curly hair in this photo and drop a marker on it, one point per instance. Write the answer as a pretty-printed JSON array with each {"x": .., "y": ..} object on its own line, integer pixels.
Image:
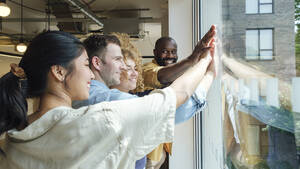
[
  {"x": 163, "y": 39},
  {"x": 95, "y": 45}
]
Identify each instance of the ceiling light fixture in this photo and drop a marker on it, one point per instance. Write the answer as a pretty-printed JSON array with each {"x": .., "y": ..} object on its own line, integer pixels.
[
  {"x": 4, "y": 9},
  {"x": 21, "y": 47}
]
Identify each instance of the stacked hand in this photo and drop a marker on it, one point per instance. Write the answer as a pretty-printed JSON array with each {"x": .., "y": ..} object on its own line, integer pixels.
[
  {"x": 206, "y": 42},
  {"x": 213, "y": 64}
]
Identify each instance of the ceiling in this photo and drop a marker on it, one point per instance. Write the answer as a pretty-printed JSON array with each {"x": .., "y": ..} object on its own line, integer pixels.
[{"x": 117, "y": 15}]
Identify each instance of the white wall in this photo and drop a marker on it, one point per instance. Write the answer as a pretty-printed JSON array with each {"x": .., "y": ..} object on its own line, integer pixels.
[
  {"x": 152, "y": 32},
  {"x": 180, "y": 28}
]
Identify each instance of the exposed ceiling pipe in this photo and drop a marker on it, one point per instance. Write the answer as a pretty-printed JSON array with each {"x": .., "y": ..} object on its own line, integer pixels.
[
  {"x": 57, "y": 7},
  {"x": 142, "y": 19},
  {"x": 85, "y": 11},
  {"x": 14, "y": 55},
  {"x": 119, "y": 10}
]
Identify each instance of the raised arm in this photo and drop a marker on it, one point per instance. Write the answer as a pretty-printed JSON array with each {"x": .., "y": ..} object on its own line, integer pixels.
[
  {"x": 212, "y": 70},
  {"x": 197, "y": 102},
  {"x": 169, "y": 73},
  {"x": 186, "y": 84}
]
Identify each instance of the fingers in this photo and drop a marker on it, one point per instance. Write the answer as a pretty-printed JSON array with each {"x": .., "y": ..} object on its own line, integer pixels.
[
  {"x": 208, "y": 36},
  {"x": 212, "y": 49},
  {"x": 204, "y": 52},
  {"x": 17, "y": 71},
  {"x": 207, "y": 41},
  {"x": 212, "y": 43}
]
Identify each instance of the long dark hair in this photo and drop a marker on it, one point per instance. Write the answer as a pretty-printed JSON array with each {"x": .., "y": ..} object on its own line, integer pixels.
[{"x": 45, "y": 50}]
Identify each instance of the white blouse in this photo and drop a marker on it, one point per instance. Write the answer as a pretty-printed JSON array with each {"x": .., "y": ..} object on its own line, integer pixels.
[{"x": 108, "y": 135}]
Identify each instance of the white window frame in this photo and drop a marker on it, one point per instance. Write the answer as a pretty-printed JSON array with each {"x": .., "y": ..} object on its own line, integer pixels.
[
  {"x": 259, "y": 4},
  {"x": 209, "y": 124},
  {"x": 259, "y": 57}
]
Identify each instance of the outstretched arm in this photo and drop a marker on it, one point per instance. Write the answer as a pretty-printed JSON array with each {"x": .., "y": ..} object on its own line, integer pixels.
[
  {"x": 212, "y": 70},
  {"x": 186, "y": 84},
  {"x": 168, "y": 74},
  {"x": 194, "y": 105},
  {"x": 197, "y": 102}
]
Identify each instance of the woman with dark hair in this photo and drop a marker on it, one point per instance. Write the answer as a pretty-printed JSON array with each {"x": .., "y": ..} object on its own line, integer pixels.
[
  {"x": 55, "y": 68},
  {"x": 44, "y": 55}
]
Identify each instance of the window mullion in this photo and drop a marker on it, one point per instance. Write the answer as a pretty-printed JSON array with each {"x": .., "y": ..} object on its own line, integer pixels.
[
  {"x": 258, "y": 6},
  {"x": 259, "y": 44}
]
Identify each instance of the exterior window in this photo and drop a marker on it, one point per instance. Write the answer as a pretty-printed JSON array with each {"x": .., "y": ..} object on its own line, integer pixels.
[
  {"x": 260, "y": 87},
  {"x": 259, "y": 6},
  {"x": 259, "y": 44}
]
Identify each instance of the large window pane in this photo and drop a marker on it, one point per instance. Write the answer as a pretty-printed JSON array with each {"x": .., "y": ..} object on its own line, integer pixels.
[
  {"x": 251, "y": 6},
  {"x": 251, "y": 44},
  {"x": 267, "y": 8},
  {"x": 261, "y": 125},
  {"x": 266, "y": 40},
  {"x": 266, "y": 55}
]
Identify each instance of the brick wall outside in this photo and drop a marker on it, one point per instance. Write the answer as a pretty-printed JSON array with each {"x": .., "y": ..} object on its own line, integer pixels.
[{"x": 236, "y": 21}]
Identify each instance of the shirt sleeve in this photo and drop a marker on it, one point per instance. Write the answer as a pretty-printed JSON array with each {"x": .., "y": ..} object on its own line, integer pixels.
[
  {"x": 151, "y": 81},
  {"x": 194, "y": 105},
  {"x": 200, "y": 96},
  {"x": 145, "y": 122}
]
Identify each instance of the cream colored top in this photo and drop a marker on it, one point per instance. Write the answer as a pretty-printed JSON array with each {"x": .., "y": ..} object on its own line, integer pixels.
[{"x": 109, "y": 135}]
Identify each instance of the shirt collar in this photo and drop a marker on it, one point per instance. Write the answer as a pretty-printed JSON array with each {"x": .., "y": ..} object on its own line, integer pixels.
[
  {"x": 98, "y": 84},
  {"x": 154, "y": 61}
]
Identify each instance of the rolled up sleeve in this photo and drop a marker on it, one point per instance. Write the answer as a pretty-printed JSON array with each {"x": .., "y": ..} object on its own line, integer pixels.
[{"x": 194, "y": 105}]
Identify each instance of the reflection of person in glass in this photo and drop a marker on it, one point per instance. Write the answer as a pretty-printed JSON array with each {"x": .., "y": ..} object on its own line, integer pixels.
[{"x": 106, "y": 135}]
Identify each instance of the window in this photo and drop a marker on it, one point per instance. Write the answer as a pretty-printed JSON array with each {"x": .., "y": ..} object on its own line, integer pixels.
[
  {"x": 259, "y": 6},
  {"x": 259, "y": 97},
  {"x": 259, "y": 44}
]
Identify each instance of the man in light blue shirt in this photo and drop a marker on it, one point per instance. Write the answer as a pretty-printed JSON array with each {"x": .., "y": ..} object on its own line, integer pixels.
[{"x": 106, "y": 62}]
